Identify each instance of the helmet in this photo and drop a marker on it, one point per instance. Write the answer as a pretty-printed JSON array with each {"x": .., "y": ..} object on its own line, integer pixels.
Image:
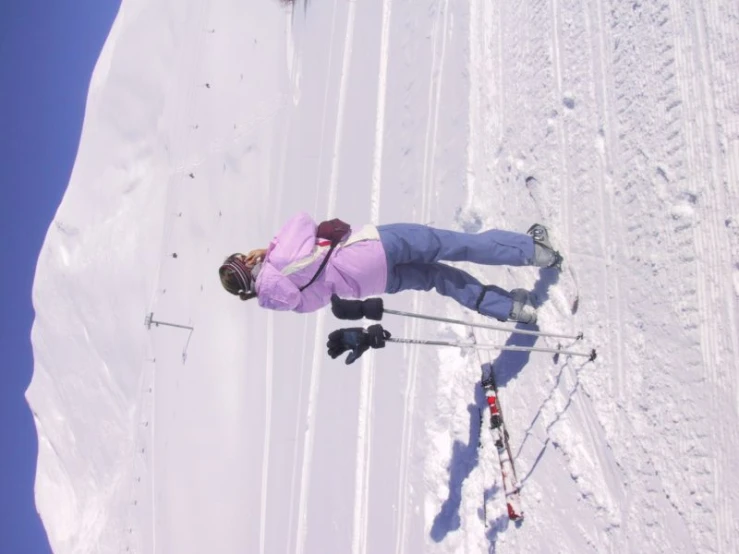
[{"x": 236, "y": 277}]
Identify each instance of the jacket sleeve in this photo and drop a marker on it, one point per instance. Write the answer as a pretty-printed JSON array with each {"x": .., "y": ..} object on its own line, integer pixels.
[
  {"x": 313, "y": 298},
  {"x": 275, "y": 291}
]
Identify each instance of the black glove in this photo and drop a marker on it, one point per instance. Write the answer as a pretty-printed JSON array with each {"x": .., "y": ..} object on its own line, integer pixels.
[
  {"x": 356, "y": 309},
  {"x": 357, "y": 340}
]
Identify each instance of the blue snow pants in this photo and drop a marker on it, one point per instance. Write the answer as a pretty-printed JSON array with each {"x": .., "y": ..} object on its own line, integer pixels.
[{"x": 414, "y": 251}]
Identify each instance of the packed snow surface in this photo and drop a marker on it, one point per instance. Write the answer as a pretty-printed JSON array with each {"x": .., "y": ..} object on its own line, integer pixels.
[{"x": 210, "y": 123}]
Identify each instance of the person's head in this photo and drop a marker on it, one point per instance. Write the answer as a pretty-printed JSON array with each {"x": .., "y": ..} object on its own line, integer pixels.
[{"x": 236, "y": 277}]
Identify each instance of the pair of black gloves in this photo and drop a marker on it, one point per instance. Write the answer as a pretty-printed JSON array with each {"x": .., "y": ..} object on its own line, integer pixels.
[{"x": 356, "y": 340}]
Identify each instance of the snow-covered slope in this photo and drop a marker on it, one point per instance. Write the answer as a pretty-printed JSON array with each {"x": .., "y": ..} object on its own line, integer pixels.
[{"x": 210, "y": 123}]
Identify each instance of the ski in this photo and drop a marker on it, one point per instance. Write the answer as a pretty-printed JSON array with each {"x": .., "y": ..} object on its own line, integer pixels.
[{"x": 511, "y": 486}]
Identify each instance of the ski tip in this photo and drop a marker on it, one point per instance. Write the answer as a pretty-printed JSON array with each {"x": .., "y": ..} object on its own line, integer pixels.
[
  {"x": 593, "y": 355},
  {"x": 513, "y": 515}
]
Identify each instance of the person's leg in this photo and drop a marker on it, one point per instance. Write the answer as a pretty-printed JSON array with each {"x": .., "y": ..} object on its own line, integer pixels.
[
  {"x": 449, "y": 281},
  {"x": 413, "y": 243}
]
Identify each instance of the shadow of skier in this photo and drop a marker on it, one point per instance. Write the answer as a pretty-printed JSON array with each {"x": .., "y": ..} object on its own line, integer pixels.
[
  {"x": 465, "y": 457},
  {"x": 464, "y": 460},
  {"x": 508, "y": 365}
]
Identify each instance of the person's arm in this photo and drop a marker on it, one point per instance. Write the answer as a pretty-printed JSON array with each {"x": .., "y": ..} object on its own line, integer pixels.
[{"x": 275, "y": 291}]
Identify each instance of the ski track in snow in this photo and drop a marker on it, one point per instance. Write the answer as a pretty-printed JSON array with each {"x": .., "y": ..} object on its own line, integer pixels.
[
  {"x": 310, "y": 432},
  {"x": 593, "y": 92},
  {"x": 319, "y": 329},
  {"x": 269, "y": 371},
  {"x": 439, "y": 34},
  {"x": 275, "y": 222},
  {"x": 364, "y": 446},
  {"x": 366, "y": 390},
  {"x": 712, "y": 254},
  {"x": 292, "y": 528}
]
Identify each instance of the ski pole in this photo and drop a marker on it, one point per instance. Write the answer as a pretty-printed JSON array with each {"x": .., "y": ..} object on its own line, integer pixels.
[
  {"x": 590, "y": 355},
  {"x": 485, "y": 325},
  {"x": 373, "y": 308}
]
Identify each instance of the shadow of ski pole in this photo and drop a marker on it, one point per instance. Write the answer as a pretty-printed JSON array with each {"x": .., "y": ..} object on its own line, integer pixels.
[{"x": 570, "y": 395}]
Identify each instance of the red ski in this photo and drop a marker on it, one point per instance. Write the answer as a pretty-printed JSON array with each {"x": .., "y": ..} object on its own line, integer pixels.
[{"x": 511, "y": 487}]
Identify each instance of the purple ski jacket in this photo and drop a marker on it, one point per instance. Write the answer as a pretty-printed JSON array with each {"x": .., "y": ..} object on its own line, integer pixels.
[{"x": 357, "y": 267}]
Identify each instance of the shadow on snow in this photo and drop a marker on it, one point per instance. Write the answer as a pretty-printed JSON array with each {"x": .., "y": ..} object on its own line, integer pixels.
[{"x": 465, "y": 457}]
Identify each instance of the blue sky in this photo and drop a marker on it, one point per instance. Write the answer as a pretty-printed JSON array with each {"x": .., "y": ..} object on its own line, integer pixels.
[{"x": 47, "y": 53}]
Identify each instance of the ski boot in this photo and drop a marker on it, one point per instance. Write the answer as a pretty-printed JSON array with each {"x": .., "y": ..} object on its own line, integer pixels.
[
  {"x": 544, "y": 254},
  {"x": 523, "y": 310}
]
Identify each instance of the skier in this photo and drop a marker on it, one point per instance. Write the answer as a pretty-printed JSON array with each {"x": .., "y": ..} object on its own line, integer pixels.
[{"x": 305, "y": 264}]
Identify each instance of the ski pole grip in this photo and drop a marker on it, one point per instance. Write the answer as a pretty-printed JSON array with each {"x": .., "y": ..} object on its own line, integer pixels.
[
  {"x": 356, "y": 309},
  {"x": 372, "y": 308}
]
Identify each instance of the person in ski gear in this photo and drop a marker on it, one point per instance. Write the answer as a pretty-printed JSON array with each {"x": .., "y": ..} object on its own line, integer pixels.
[{"x": 305, "y": 264}]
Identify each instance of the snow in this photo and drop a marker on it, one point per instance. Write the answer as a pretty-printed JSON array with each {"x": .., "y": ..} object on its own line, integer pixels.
[{"x": 208, "y": 124}]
